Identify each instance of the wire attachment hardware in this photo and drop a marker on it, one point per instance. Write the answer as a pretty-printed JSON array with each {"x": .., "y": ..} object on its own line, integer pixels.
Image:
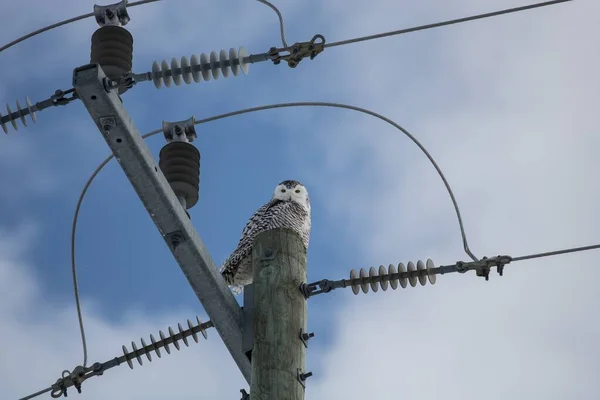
[
  {"x": 75, "y": 379},
  {"x": 180, "y": 131},
  {"x": 482, "y": 267},
  {"x": 59, "y": 98},
  {"x": 113, "y": 14},
  {"x": 298, "y": 51},
  {"x": 409, "y": 274}
]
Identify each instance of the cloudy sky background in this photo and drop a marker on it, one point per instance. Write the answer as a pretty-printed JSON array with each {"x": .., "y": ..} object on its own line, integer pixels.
[{"x": 507, "y": 106}]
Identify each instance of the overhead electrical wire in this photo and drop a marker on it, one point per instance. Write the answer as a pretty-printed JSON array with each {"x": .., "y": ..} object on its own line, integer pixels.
[
  {"x": 556, "y": 252},
  {"x": 331, "y": 44},
  {"x": 240, "y": 112},
  {"x": 304, "y": 104},
  {"x": 136, "y": 3},
  {"x": 65, "y": 22},
  {"x": 286, "y": 105},
  {"x": 445, "y": 23},
  {"x": 281, "y": 26}
]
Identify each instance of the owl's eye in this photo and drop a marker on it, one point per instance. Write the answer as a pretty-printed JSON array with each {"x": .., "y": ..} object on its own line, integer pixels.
[
  {"x": 282, "y": 190},
  {"x": 297, "y": 190}
]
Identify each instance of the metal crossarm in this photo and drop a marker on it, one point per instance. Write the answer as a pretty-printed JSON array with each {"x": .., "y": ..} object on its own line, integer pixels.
[{"x": 106, "y": 109}]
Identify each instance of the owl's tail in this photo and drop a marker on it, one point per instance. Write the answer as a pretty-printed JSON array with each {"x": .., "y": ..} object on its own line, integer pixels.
[
  {"x": 228, "y": 276},
  {"x": 236, "y": 289}
]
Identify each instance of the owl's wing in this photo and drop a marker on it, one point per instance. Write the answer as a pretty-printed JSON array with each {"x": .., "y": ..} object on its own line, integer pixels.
[
  {"x": 255, "y": 224},
  {"x": 257, "y": 219}
]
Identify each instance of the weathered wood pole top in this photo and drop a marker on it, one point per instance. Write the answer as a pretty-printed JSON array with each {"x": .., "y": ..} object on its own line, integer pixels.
[{"x": 280, "y": 313}]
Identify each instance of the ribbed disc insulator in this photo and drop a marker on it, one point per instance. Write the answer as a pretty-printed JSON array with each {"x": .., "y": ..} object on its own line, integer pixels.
[
  {"x": 393, "y": 276},
  {"x": 180, "y": 163},
  {"x": 112, "y": 48}
]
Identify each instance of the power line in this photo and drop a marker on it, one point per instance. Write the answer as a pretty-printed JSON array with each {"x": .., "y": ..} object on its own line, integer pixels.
[
  {"x": 445, "y": 23},
  {"x": 73, "y": 265},
  {"x": 65, "y": 22},
  {"x": 332, "y": 44},
  {"x": 421, "y": 273},
  {"x": 241, "y": 112},
  {"x": 137, "y": 3},
  {"x": 556, "y": 252},
  {"x": 281, "y": 27},
  {"x": 36, "y": 394}
]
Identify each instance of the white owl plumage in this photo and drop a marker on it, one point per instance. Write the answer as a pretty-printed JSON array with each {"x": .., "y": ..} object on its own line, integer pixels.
[{"x": 288, "y": 208}]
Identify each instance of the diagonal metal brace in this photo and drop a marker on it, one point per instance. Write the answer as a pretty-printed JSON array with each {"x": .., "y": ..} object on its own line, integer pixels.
[{"x": 106, "y": 109}]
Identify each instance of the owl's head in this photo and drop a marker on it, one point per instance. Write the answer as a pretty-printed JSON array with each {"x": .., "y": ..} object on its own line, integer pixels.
[{"x": 292, "y": 191}]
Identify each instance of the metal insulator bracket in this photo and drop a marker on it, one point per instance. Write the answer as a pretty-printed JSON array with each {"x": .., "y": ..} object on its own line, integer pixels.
[
  {"x": 298, "y": 51},
  {"x": 75, "y": 379},
  {"x": 113, "y": 14},
  {"x": 57, "y": 99},
  {"x": 180, "y": 131},
  {"x": 482, "y": 267}
]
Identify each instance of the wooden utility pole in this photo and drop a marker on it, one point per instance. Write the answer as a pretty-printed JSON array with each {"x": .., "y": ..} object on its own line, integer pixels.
[{"x": 280, "y": 313}]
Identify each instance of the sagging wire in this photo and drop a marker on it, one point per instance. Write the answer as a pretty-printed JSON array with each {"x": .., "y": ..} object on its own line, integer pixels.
[
  {"x": 281, "y": 26},
  {"x": 240, "y": 112},
  {"x": 136, "y": 3}
]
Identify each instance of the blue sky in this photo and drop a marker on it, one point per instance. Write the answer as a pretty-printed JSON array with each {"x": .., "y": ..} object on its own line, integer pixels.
[{"x": 508, "y": 107}]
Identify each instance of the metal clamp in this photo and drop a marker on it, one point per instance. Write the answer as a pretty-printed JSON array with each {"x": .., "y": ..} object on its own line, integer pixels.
[
  {"x": 180, "y": 131},
  {"x": 59, "y": 99},
  {"x": 75, "y": 378},
  {"x": 312, "y": 289},
  {"x": 113, "y": 14},
  {"x": 298, "y": 51},
  {"x": 482, "y": 267}
]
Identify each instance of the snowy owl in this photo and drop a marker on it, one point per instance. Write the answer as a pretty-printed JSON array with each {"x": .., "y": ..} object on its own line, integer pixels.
[{"x": 288, "y": 208}]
